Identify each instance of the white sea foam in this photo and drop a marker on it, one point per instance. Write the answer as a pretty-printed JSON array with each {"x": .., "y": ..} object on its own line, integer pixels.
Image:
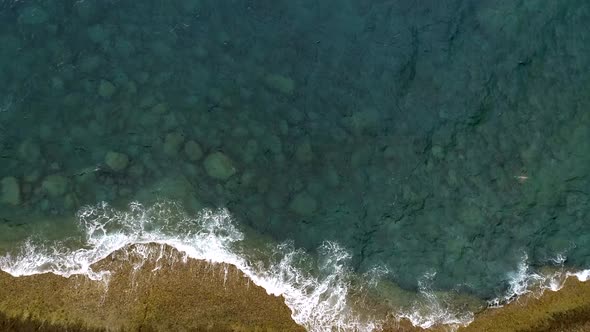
[
  {"x": 429, "y": 309},
  {"x": 318, "y": 301},
  {"x": 527, "y": 281}
]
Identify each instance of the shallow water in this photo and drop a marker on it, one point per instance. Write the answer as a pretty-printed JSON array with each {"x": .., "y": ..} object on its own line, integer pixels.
[{"x": 442, "y": 143}]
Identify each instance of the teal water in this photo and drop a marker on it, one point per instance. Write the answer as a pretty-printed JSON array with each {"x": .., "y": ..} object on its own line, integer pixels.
[{"x": 446, "y": 141}]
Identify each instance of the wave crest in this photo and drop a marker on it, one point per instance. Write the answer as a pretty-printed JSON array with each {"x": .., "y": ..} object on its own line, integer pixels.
[{"x": 319, "y": 300}]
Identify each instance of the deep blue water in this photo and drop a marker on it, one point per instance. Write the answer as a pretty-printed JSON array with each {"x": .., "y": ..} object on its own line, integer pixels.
[{"x": 422, "y": 136}]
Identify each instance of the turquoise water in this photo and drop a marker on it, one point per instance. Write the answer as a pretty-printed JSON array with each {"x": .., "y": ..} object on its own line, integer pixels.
[{"x": 446, "y": 141}]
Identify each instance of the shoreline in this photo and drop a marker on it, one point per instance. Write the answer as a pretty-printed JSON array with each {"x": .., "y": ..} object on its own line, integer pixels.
[
  {"x": 566, "y": 309},
  {"x": 155, "y": 287},
  {"x": 156, "y": 294}
]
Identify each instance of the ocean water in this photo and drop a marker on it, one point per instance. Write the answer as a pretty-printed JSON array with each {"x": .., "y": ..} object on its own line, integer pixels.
[{"x": 427, "y": 156}]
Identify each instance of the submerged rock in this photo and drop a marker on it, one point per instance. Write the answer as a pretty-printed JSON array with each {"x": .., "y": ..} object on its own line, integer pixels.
[
  {"x": 172, "y": 143},
  {"x": 303, "y": 204},
  {"x": 98, "y": 34},
  {"x": 116, "y": 161},
  {"x": 29, "y": 151},
  {"x": 437, "y": 152},
  {"x": 55, "y": 185},
  {"x": 364, "y": 121},
  {"x": 279, "y": 83},
  {"x": 190, "y": 5},
  {"x": 106, "y": 89},
  {"x": 87, "y": 9},
  {"x": 10, "y": 191},
  {"x": 193, "y": 150},
  {"x": 160, "y": 108},
  {"x": 304, "y": 153},
  {"x": 219, "y": 166},
  {"x": 33, "y": 15},
  {"x": 71, "y": 202}
]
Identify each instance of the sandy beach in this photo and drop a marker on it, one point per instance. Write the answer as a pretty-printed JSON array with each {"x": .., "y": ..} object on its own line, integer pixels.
[
  {"x": 150, "y": 295},
  {"x": 154, "y": 287}
]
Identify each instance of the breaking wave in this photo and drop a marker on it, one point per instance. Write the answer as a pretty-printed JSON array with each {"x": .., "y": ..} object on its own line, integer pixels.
[
  {"x": 525, "y": 280},
  {"x": 320, "y": 291},
  {"x": 430, "y": 310},
  {"x": 319, "y": 301}
]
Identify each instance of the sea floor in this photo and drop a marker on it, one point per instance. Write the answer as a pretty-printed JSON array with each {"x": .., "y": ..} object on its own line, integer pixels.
[{"x": 430, "y": 157}]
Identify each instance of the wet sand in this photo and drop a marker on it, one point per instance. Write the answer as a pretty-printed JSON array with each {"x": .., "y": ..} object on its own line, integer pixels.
[
  {"x": 165, "y": 292},
  {"x": 566, "y": 310},
  {"x": 157, "y": 295}
]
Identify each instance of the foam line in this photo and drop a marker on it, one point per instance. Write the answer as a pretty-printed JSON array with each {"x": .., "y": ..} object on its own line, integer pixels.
[{"x": 319, "y": 303}]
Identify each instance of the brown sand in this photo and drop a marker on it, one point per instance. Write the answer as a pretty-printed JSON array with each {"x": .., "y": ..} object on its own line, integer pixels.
[
  {"x": 164, "y": 293},
  {"x": 160, "y": 295},
  {"x": 567, "y": 310}
]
